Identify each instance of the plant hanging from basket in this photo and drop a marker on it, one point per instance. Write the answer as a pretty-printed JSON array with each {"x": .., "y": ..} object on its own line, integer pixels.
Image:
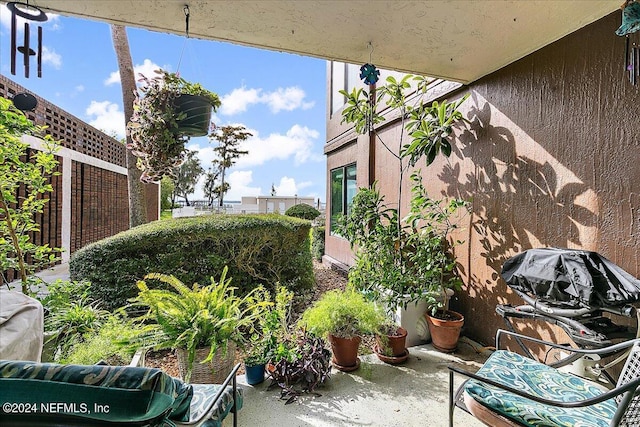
[{"x": 171, "y": 110}]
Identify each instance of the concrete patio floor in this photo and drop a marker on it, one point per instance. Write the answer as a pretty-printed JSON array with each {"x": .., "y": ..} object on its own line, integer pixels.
[{"x": 415, "y": 393}]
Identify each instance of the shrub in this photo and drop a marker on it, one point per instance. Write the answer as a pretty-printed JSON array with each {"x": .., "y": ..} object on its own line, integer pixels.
[
  {"x": 70, "y": 316},
  {"x": 303, "y": 211},
  {"x": 258, "y": 249},
  {"x": 317, "y": 242},
  {"x": 109, "y": 344}
]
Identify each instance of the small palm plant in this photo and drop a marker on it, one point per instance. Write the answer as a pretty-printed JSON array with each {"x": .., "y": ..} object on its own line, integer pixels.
[{"x": 200, "y": 316}]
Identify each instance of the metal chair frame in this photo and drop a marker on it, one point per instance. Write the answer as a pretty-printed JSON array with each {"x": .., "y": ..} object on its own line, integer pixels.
[{"x": 626, "y": 391}]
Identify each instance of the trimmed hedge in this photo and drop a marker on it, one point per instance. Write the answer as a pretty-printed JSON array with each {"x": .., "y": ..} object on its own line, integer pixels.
[
  {"x": 258, "y": 249},
  {"x": 303, "y": 211},
  {"x": 317, "y": 242}
]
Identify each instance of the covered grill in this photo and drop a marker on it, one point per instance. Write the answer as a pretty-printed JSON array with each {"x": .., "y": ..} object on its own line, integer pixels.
[{"x": 572, "y": 289}]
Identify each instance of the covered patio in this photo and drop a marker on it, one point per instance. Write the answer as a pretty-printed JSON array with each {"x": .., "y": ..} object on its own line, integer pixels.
[{"x": 548, "y": 153}]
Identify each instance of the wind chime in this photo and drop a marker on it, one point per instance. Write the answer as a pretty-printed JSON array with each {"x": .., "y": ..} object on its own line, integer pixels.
[
  {"x": 28, "y": 13},
  {"x": 631, "y": 24},
  {"x": 370, "y": 75},
  {"x": 368, "y": 72}
]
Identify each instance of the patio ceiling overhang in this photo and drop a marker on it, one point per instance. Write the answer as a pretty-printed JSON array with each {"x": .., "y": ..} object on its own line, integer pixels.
[{"x": 459, "y": 40}]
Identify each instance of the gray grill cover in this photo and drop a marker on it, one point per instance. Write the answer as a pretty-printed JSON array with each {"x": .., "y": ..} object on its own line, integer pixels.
[
  {"x": 21, "y": 326},
  {"x": 570, "y": 278}
]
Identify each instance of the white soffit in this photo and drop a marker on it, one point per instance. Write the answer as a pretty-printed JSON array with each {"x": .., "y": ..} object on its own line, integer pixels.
[{"x": 459, "y": 40}]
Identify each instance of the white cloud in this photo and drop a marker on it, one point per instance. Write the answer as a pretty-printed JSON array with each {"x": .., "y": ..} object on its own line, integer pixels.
[
  {"x": 289, "y": 187},
  {"x": 240, "y": 185},
  {"x": 107, "y": 117},
  {"x": 287, "y": 99},
  {"x": 296, "y": 143},
  {"x": 51, "y": 57},
  {"x": 238, "y": 100},
  {"x": 79, "y": 88},
  {"x": 239, "y": 181},
  {"x": 147, "y": 69}
]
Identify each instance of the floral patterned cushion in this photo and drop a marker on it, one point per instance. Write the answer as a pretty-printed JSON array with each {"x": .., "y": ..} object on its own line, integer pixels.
[{"x": 543, "y": 381}]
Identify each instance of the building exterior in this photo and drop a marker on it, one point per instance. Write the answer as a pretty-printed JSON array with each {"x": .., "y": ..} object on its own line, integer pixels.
[
  {"x": 548, "y": 158},
  {"x": 90, "y": 197}
]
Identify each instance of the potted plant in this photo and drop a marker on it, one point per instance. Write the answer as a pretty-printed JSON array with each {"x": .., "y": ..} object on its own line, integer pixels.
[
  {"x": 404, "y": 261},
  {"x": 391, "y": 342},
  {"x": 270, "y": 332},
  {"x": 203, "y": 323},
  {"x": 430, "y": 223},
  {"x": 342, "y": 316},
  {"x": 300, "y": 364},
  {"x": 171, "y": 110},
  {"x": 255, "y": 361}
]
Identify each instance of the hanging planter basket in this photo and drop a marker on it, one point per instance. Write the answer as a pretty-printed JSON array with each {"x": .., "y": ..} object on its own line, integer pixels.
[
  {"x": 171, "y": 110},
  {"x": 195, "y": 114}
]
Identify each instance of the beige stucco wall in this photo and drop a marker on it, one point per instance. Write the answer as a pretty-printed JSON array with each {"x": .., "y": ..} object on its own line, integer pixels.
[{"x": 549, "y": 157}]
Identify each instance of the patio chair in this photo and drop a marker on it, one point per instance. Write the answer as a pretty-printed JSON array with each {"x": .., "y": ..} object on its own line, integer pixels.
[
  {"x": 513, "y": 390},
  {"x": 39, "y": 394}
]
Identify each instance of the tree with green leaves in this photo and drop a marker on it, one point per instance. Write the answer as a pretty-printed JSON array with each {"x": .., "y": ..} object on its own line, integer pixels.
[
  {"x": 211, "y": 184},
  {"x": 429, "y": 126},
  {"x": 228, "y": 151},
  {"x": 166, "y": 193},
  {"x": 185, "y": 176},
  {"x": 24, "y": 185}
]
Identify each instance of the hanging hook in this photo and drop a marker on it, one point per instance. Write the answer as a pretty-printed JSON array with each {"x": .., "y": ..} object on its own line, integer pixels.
[
  {"x": 370, "y": 45},
  {"x": 185, "y": 9}
]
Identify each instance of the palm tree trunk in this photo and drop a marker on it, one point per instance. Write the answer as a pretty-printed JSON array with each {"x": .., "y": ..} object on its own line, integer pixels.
[{"x": 137, "y": 199}]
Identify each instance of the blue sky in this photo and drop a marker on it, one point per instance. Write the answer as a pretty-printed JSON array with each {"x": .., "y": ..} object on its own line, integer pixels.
[{"x": 279, "y": 97}]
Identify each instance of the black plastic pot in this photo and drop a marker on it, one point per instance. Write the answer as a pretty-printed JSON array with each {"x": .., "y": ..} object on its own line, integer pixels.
[{"x": 198, "y": 114}]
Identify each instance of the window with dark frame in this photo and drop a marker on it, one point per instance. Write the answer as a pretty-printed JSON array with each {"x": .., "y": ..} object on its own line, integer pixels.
[{"x": 343, "y": 189}]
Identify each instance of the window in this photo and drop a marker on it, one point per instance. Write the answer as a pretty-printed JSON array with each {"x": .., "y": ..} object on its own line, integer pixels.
[
  {"x": 343, "y": 77},
  {"x": 346, "y": 77},
  {"x": 343, "y": 188}
]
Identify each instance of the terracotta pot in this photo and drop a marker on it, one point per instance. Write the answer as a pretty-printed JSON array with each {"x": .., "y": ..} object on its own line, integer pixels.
[
  {"x": 445, "y": 333},
  {"x": 345, "y": 351},
  {"x": 392, "y": 345}
]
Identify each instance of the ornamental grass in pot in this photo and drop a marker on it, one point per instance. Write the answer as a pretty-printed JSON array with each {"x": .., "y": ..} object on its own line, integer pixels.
[
  {"x": 203, "y": 323},
  {"x": 343, "y": 317}
]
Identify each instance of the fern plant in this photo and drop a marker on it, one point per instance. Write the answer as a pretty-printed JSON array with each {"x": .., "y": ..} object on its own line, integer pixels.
[{"x": 200, "y": 316}]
